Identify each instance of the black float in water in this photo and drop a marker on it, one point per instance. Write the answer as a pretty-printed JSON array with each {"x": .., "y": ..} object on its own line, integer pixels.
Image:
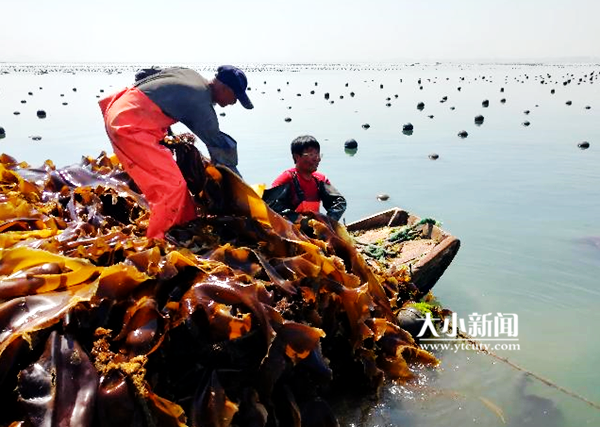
[
  {"x": 568, "y": 102},
  {"x": 526, "y": 112},
  {"x": 485, "y": 103},
  {"x": 383, "y": 197},
  {"x": 326, "y": 95},
  {"x": 503, "y": 101},
  {"x": 479, "y": 119},
  {"x": 526, "y": 123},
  {"x": 408, "y": 126},
  {"x": 420, "y": 106},
  {"x": 366, "y": 126},
  {"x": 587, "y": 107},
  {"x": 288, "y": 119},
  {"x": 2, "y": 133},
  {"x": 584, "y": 145},
  {"x": 351, "y": 144},
  {"x": 434, "y": 156},
  {"x": 41, "y": 114},
  {"x": 463, "y": 134}
]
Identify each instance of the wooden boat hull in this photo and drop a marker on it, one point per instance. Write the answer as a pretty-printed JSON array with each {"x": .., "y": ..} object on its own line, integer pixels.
[{"x": 427, "y": 258}]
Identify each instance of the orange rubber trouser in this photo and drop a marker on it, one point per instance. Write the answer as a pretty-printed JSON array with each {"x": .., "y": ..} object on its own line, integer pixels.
[{"x": 135, "y": 126}]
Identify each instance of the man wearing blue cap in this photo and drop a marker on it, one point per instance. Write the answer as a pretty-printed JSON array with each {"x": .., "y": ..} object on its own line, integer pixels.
[{"x": 138, "y": 117}]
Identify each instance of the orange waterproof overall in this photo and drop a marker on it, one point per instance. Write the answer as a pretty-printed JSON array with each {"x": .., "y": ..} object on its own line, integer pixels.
[{"x": 135, "y": 126}]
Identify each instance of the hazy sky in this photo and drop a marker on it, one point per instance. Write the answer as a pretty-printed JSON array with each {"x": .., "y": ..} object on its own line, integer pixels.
[{"x": 239, "y": 31}]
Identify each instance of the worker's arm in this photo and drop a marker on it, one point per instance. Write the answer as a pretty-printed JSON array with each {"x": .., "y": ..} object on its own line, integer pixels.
[
  {"x": 333, "y": 202},
  {"x": 221, "y": 147}
]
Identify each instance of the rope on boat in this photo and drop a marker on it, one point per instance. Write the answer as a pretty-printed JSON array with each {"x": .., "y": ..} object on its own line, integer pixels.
[{"x": 528, "y": 372}]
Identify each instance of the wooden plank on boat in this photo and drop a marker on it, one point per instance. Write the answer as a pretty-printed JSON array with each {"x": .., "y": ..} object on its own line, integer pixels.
[{"x": 427, "y": 256}]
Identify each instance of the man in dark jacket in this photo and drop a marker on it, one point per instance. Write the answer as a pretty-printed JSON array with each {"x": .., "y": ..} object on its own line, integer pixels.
[
  {"x": 302, "y": 188},
  {"x": 138, "y": 117}
]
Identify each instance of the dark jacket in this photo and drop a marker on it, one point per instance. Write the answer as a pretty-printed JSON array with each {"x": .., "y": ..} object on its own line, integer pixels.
[{"x": 284, "y": 199}]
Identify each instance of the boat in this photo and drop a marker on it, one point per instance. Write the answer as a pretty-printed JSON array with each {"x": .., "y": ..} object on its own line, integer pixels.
[{"x": 393, "y": 238}]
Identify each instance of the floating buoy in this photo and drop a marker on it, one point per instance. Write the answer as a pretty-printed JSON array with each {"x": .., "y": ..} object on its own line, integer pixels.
[
  {"x": 23, "y": 101},
  {"x": 16, "y": 113},
  {"x": 503, "y": 101},
  {"x": 568, "y": 102},
  {"x": 36, "y": 137},
  {"x": 584, "y": 145},
  {"x": 587, "y": 107},
  {"x": 41, "y": 114},
  {"x": 411, "y": 320},
  {"x": 312, "y": 92},
  {"x": 501, "y": 89},
  {"x": 430, "y": 116},
  {"x": 65, "y": 103},
  {"x": 388, "y": 105},
  {"x": 434, "y": 156},
  {"x": 2, "y": 133},
  {"x": 366, "y": 126},
  {"x": 351, "y": 144},
  {"x": 485, "y": 103},
  {"x": 407, "y": 126},
  {"x": 526, "y": 123},
  {"x": 526, "y": 112},
  {"x": 326, "y": 95},
  {"x": 383, "y": 197},
  {"x": 463, "y": 134},
  {"x": 74, "y": 89},
  {"x": 420, "y": 106},
  {"x": 30, "y": 93},
  {"x": 479, "y": 119},
  {"x": 222, "y": 114},
  {"x": 287, "y": 119},
  {"x": 552, "y": 91}
]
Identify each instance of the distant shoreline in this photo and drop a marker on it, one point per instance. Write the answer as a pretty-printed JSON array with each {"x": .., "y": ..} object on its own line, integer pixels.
[{"x": 49, "y": 67}]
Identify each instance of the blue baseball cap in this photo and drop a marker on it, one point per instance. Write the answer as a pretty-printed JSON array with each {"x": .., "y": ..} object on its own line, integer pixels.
[{"x": 236, "y": 80}]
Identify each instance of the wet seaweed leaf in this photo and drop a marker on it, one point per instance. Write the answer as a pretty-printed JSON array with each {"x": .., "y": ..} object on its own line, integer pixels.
[{"x": 59, "y": 389}]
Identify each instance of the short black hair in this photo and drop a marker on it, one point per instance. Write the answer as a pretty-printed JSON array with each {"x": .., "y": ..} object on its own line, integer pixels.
[{"x": 303, "y": 143}]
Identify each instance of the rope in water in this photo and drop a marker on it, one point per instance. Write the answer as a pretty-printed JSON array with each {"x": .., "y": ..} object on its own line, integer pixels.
[{"x": 528, "y": 372}]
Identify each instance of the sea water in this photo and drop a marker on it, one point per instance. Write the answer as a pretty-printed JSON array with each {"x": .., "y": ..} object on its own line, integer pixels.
[{"x": 524, "y": 200}]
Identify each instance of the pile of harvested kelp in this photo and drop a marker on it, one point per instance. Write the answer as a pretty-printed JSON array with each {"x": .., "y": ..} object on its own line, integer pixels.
[{"x": 238, "y": 318}]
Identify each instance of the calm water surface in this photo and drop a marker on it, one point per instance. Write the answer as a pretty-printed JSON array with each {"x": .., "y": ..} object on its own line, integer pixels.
[{"x": 524, "y": 200}]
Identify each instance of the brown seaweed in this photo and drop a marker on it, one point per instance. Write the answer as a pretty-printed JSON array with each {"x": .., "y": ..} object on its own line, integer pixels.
[{"x": 239, "y": 318}]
